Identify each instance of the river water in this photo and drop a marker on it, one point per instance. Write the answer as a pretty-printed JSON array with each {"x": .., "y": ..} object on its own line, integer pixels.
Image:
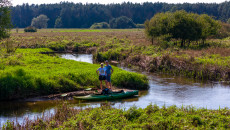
[{"x": 164, "y": 90}]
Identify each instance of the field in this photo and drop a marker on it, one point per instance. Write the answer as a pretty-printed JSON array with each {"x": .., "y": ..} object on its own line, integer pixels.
[
  {"x": 151, "y": 117},
  {"x": 39, "y": 74},
  {"x": 209, "y": 61},
  {"x": 27, "y": 73}
]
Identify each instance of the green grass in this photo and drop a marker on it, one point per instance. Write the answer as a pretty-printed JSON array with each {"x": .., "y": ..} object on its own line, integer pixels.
[
  {"x": 151, "y": 117},
  {"x": 131, "y": 47},
  {"x": 28, "y": 73},
  {"x": 214, "y": 60}
]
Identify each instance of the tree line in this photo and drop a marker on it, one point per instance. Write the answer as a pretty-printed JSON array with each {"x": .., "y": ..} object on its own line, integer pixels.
[{"x": 71, "y": 15}]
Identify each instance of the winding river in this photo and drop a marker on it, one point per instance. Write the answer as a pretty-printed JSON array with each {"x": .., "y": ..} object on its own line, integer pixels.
[{"x": 164, "y": 90}]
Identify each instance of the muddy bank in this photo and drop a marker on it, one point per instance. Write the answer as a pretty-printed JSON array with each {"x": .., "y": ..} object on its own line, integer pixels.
[
  {"x": 176, "y": 66},
  {"x": 68, "y": 95}
]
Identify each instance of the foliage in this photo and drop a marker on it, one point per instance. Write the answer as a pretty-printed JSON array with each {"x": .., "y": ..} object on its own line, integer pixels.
[
  {"x": 40, "y": 21},
  {"x": 28, "y": 73},
  {"x": 58, "y": 23},
  {"x": 78, "y": 15},
  {"x": 30, "y": 29},
  {"x": 140, "y": 26},
  {"x": 10, "y": 45},
  {"x": 223, "y": 32},
  {"x": 182, "y": 25},
  {"x": 228, "y": 21},
  {"x": 100, "y": 25},
  {"x": 5, "y": 19},
  {"x": 151, "y": 117},
  {"x": 130, "y": 48},
  {"x": 122, "y": 22}
]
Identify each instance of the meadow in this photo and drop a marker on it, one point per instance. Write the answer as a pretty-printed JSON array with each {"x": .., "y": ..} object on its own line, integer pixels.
[
  {"x": 209, "y": 61},
  {"x": 130, "y": 47},
  {"x": 27, "y": 73},
  {"x": 152, "y": 117}
]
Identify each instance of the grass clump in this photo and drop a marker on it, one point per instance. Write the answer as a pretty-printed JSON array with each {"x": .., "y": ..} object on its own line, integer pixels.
[
  {"x": 151, "y": 117},
  {"x": 28, "y": 73}
]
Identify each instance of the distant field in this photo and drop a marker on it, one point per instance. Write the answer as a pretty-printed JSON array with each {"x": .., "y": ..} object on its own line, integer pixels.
[{"x": 20, "y": 30}]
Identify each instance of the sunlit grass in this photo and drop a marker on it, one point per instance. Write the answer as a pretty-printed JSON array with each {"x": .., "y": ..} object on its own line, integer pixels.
[{"x": 28, "y": 73}]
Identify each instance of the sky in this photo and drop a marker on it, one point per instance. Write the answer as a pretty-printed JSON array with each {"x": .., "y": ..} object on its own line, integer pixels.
[{"x": 20, "y": 2}]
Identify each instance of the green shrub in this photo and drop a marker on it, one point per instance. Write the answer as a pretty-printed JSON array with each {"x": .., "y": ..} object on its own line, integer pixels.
[
  {"x": 102, "y": 25},
  {"x": 124, "y": 79},
  {"x": 30, "y": 29},
  {"x": 140, "y": 26},
  {"x": 122, "y": 22},
  {"x": 57, "y": 46}
]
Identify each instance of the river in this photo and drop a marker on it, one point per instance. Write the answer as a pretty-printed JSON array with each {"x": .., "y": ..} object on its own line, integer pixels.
[{"x": 164, "y": 90}]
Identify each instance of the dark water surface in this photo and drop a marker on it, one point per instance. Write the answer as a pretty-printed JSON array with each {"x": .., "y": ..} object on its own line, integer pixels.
[{"x": 164, "y": 90}]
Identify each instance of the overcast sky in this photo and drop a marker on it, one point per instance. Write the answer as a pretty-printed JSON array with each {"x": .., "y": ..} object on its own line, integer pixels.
[{"x": 20, "y": 2}]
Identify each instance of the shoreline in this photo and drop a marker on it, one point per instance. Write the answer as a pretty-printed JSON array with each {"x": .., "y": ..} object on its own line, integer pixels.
[{"x": 67, "y": 96}]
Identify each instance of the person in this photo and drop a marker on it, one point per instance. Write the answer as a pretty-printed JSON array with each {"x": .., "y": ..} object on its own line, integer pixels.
[
  {"x": 108, "y": 73},
  {"x": 101, "y": 74}
]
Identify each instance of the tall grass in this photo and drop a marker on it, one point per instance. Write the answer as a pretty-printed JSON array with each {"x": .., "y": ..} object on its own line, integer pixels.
[
  {"x": 151, "y": 117},
  {"x": 28, "y": 73}
]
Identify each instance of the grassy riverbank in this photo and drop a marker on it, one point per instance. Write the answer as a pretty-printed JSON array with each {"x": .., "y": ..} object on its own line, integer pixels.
[
  {"x": 27, "y": 73},
  {"x": 209, "y": 61},
  {"x": 151, "y": 117}
]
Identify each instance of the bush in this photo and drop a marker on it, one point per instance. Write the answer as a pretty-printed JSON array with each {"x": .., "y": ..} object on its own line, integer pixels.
[
  {"x": 57, "y": 46},
  {"x": 183, "y": 26},
  {"x": 84, "y": 44},
  {"x": 124, "y": 79},
  {"x": 100, "y": 25},
  {"x": 224, "y": 31},
  {"x": 140, "y": 26},
  {"x": 30, "y": 29},
  {"x": 122, "y": 22}
]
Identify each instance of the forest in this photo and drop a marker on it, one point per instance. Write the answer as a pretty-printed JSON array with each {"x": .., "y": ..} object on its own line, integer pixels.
[{"x": 78, "y": 15}]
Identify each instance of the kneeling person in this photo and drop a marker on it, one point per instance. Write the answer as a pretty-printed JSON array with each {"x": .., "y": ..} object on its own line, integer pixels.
[{"x": 101, "y": 74}]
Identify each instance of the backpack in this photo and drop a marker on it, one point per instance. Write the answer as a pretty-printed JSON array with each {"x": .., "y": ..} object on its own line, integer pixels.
[{"x": 106, "y": 91}]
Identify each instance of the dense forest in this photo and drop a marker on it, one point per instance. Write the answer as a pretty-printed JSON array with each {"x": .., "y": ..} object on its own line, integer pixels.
[{"x": 71, "y": 15}]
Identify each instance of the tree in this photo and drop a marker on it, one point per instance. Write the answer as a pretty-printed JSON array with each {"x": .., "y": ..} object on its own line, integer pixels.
[
  {"x": 185, "y": 27},
  {"x": 159, "y": 25},
  {"x": 182, "y": 26},
  {"x": 209, "y": 26},
  {"x": 58, "y": 23},
  {"x": 78, "y": 15},
  {"x": 5, "y": 21},
  {"x": 122, "y": 22},
  {"x": 40, "y": 21},
  {"x": 228, "y": 21}
]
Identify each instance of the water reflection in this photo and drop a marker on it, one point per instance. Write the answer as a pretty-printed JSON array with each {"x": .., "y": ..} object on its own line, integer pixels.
[{"x": 79, "y": 57}]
